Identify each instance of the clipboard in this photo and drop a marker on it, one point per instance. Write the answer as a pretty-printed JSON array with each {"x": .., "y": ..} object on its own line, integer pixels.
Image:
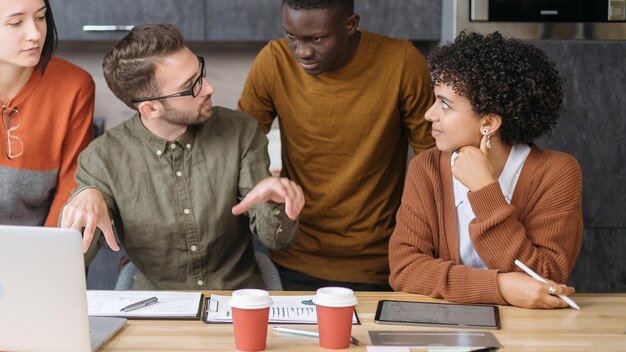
[{"x": 284, "y": 310}]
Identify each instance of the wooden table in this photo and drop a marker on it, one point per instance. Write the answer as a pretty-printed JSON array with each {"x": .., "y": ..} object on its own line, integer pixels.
[{"x": 599, "y": 326}]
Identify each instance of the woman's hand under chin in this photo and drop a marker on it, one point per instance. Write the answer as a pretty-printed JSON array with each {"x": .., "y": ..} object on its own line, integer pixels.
[{"x": 473, "y": 168}]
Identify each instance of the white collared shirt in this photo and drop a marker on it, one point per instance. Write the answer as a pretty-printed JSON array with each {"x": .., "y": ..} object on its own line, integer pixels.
[{"x": 464, "y": 213}]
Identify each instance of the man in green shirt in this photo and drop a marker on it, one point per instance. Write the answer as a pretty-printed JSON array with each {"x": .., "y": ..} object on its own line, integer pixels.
[{"x": 171, "y": 177}]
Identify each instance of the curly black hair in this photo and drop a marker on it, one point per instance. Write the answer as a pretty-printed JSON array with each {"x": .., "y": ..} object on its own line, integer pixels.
[
  {"x": 334, "y": 6},
  {"x": 502, "y": 76}
]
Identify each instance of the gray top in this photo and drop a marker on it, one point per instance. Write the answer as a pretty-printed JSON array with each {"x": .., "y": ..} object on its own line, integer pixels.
[{"x": 171, "y": 201}]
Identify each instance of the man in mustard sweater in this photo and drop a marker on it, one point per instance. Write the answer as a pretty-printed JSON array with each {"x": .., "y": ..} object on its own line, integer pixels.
[{"x": 348, "y": 101}]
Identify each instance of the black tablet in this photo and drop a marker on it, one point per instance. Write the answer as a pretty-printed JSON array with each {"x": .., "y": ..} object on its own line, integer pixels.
[{"x": 438, "y": 314}]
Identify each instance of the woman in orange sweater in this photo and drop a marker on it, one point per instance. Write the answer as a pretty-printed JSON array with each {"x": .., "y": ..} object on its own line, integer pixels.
[
  {"x": 47, "y": 110},
  {"x": 486, "y": 195}
]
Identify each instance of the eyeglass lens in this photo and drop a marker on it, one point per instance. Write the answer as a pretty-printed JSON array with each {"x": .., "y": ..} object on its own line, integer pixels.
[
  {"x": 10, "y": 118},
  {"x": 197, "y": 87},
  {"x": 15, "y": 147},
  {"x": 11, "y": 121}
]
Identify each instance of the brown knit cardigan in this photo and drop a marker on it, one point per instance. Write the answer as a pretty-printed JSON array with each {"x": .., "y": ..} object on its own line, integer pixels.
[{"x": 542, "y": 227}]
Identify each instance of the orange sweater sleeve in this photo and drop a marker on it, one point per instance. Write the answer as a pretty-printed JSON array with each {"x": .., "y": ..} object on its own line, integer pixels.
[
  {"x": 415, "y": 249},
  {"x": 550, "y": 236},
  {"x": 79, "y": 134},
  {"x": 543, "y": 229}
]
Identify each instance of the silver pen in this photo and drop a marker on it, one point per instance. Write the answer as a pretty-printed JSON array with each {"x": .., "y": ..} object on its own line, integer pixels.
[
  {"x": 353, "y": 340},
  {"x": 144, "y": 303}
]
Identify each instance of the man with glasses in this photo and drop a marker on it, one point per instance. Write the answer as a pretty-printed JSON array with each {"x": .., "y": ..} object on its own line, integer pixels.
[{"x": 170, "y": 178}]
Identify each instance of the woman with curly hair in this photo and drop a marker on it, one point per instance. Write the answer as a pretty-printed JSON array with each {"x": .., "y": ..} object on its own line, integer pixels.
[{"x": 486, "y": 195}]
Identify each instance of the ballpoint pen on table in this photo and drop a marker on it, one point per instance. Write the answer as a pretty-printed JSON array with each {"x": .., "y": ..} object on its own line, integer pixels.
[
  {"x": 535, "y": 276},
  {"x": 144, "y": 303},
  {"x": 353, "y": 340}
]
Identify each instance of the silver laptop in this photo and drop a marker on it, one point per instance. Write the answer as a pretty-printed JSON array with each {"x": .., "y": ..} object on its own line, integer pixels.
[{"x": 43, "y": 301}]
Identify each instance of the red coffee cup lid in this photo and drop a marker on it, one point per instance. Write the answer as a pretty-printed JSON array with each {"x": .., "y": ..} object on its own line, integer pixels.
[
  {"x": 250, "y": 299},
  {"x": 335, "y": 297}
]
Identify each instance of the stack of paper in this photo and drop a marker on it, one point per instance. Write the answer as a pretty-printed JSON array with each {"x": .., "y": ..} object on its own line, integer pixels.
[{"x": 170, "y": 305}]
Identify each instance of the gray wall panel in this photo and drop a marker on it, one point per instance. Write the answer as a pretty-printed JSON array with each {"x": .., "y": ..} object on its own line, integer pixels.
[
  {"x": 592, "y": 128},
  {"x": 601, "y": 266},
  {"x": 250, "y": 20},
  {"x": 418, "y": 20},
  {"x": 260, "y": 20},
  {"x": 593, "y": 124}
]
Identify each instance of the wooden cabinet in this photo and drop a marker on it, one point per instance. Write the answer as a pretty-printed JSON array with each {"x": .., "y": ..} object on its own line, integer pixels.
[
  {"x": 418, "y": 20},
  {"x": 112, "y": 19},
  {"x": 232, "y": 20},
  {"x": 246, "y": 20},
  {"x": 260, "y": 20}
]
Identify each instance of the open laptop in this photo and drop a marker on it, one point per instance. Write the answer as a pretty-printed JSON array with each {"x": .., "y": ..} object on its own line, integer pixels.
[{"x": 43, "y": 301}]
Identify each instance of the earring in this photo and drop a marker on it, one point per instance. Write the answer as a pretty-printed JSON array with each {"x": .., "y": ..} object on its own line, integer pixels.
[{"x": 488, "y": 134}]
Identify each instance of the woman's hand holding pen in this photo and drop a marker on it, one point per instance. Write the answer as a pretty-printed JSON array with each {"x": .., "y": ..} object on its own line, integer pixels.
[
  {"x": 521, "y": 290},
  {"x": 472, "y": 167}
]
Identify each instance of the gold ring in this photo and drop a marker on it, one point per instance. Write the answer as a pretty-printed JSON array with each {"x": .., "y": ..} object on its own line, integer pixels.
[{"x": 551, "y": 289}]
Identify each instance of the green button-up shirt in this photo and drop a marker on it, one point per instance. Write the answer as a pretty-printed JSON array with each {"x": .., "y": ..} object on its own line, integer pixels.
[{"x": 171, "y": 201}]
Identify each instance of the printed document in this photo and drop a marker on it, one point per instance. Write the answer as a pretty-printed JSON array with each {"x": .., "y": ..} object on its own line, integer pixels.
[
  {"x": 284, "y": 309},
  {"x": 172, "y": 305}
]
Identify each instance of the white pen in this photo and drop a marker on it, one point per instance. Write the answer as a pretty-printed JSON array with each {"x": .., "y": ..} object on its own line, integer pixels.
[
  {"x": 535, "y": 276},
  {"x": 353, "y": 340}
]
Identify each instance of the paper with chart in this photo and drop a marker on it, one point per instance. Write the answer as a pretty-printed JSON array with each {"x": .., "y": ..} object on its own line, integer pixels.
[
  {"x": 173, "y": 305},
  {"x": 284, "y": 309}
]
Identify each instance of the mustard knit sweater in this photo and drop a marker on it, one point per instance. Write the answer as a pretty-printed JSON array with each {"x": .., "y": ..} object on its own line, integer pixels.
[{"x": 344, "y": 137}]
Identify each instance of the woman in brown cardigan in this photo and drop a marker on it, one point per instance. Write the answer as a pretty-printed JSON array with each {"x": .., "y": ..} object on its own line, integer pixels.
[{"x": 486, "y": 196}]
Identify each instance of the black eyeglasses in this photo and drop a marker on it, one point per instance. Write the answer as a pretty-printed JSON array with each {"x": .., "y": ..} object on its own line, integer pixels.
[{"x": 194, "y": 90}]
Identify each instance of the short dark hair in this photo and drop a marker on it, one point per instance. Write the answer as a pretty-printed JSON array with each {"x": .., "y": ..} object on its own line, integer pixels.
[
  {"x": 129, "y": 67},
  {"x": 502, "y": 76},
  {"x": 334, "y": 6},
  {"x": 51, "y": 42}
]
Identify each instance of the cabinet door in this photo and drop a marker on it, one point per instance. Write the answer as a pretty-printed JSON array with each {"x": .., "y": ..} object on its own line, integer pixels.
[
  {"x": 260, "y": 20},
  {"x": 408, "y": 19},
  {"x": 250, "y": 20},
  {"x": 112, "y": 19}
]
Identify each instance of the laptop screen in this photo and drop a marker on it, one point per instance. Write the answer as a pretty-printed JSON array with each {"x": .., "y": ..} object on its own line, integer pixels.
[{"x": 43, "y": 301}]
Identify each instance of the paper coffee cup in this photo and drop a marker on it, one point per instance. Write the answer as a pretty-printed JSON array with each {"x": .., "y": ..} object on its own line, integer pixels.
[
  {"x": 334, "y": 307},
  {"x": 251, "y": 309}
]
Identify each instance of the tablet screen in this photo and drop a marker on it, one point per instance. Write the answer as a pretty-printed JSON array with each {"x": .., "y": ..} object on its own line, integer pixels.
[{"x": 437, "y": 314}]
